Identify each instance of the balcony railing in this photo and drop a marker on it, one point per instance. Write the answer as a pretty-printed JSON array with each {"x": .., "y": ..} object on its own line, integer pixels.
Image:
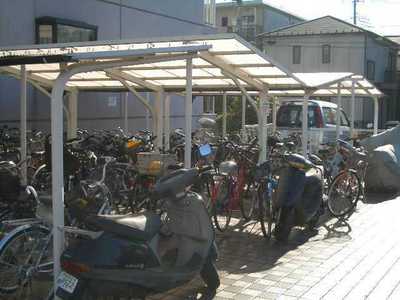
[{"x": 248, "y": 32}]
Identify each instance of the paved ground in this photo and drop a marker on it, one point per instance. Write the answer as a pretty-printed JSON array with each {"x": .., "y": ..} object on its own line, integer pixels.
[{"x": 357, "y": 259}]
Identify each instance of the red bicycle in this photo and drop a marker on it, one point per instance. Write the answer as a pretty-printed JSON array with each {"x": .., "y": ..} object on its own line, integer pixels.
[{"x": 233, "y": 183}]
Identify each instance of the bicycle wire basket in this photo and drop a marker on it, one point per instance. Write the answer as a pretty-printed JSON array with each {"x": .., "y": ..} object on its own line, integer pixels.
[{"x": 154, "y": 164}]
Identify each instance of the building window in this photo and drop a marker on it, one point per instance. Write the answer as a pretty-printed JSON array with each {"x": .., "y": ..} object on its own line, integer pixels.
[
  {"x": 326, "y": 54},
  {"x": 296, "y": 55},
  {"x": 208, "y": 105},
  {"x": 209, "y": 12},
  {"x": 54, "y": 30},
  {"x": 391, "y": 61},
  {"x": 247, "y": 20},
  {"x": 224, "y": 21},
  {"x": 370, "y": 70}
]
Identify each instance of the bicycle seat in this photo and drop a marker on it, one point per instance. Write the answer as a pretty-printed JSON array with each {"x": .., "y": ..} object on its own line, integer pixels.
[
  {"x": 143, "y": 227},
  {"x": 315, "y": 160},
  {"x": 228, "y": 168},
  {"x": 175, "y": 167}
]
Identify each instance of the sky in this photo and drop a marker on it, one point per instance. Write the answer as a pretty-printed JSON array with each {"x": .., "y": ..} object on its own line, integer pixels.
[{"x": 381, "y": 16}]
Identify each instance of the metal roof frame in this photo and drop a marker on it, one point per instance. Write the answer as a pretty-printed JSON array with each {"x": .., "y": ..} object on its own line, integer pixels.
[{"x": 209, "y": 62}]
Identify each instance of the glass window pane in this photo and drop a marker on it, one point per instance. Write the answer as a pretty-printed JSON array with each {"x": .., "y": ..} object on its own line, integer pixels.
[
  {"x": 67, "y": 34},
  {"x": 296, "y": 54},
  {"x": 45, "y": 34},
  {"x": 208, "y": 104},
  {"x": 326, "y": 54},
  {"x": 370, "y": 70},
  {"x": 329, "y": 115}
]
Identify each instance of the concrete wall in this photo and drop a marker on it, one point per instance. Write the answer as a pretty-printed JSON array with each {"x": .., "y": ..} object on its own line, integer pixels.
[
  {"x": 115, "y": 19},
  {"x": 347, "y": 55},
  {"x": 347, "y": 52}
]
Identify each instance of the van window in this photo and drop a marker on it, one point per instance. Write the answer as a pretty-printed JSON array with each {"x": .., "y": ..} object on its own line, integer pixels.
[
  {"x": 292, "y": 116},
  {"x": 330, "y": 116}
]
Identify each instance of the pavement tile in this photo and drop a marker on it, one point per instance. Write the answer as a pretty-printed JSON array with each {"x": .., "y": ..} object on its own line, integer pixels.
[{"x": 336, "y": 263}]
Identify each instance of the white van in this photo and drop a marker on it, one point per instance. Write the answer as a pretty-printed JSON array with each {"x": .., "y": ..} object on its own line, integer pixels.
[{"x": 321, "y": 120}]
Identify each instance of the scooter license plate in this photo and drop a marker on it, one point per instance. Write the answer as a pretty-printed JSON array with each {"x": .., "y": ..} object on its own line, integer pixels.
[{"x": 67, "y": 282}]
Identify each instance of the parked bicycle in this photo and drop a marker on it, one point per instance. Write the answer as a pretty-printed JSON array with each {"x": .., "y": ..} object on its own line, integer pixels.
[
  {"x": 347, "y": 186},
  {"x": 234, "y": 182}
]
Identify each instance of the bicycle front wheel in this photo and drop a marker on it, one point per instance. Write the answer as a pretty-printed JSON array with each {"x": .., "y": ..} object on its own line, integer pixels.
[
  {"x": 222, "y": 210},
  {"x": 344, "y": 193},
  {"x": 22, "y": 252},
  {"x": 265, "y": 214},
  {"x": 248, "y": 201}
]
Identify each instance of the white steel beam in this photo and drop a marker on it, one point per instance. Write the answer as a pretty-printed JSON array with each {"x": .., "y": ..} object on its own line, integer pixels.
[
  {"x": 145, "y": 101},
  {"x": 352, "y": 108},
  {"x": 72, "y": 118},
  {"x": 263, "y": 126},
  {"x": 126, "y": 114},
  {"x": 274, "y": 112},
  {"x": 159, "y": 116},
  {"x": 224, "y": 104},
  {"x": 244, "y": 105},
  {"x": 188, "y": 114},
  {"x": 23, "y": 125},
  {"x": 167, "y": 121},
  {"x": 233, "y": 71},
  {"x": 118, "y": 73},
  {"x": 376, "y": 114},
  {"x": 338, "y": 112},
  {"x": 305, "y": 123},
  {"x": 147, "y": 117}
]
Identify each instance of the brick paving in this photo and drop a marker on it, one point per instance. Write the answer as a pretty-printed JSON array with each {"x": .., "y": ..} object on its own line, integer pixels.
[{"x": 354, "y": 259}]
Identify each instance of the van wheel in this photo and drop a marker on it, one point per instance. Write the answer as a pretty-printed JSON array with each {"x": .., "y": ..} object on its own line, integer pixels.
[{"x": 210, "y": 275}]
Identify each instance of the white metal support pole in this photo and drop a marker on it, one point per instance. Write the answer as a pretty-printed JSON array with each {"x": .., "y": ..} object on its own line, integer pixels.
[
  {"x": 244, "y": 104},
  {"x": 160, "y": 124},
  {"x": 188, "y": 113},
  {"x": 338, "y": 112},
  {"x": 263, "y": 126},
  {"x": 224, "y": 96},
  {"x": 305, "y": 124},
  {"x": 376, "y": 114},
  {"x": 167, "y": 120},
  {"x": 126, "y": 114},
  {"x": 57, "y": 169},
  {"x": 148, "y": 113},
  {"x": 72, "y": 114},
  {"x": 23, "y": 124},
  {"x": 274, "y": 111},
  {"x": 352, "y": 107}
]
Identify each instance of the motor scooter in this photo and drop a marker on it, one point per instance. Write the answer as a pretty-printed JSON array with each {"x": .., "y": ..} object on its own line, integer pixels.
[
  {"x": 299, "y": 195},
  {"x": 136, "y": 255}
]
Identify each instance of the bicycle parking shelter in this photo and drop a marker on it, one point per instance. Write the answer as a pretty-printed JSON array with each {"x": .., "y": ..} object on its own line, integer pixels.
[{"x": 207, "y": 64}]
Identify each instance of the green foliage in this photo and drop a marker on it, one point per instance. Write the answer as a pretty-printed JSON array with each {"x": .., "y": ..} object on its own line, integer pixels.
[{"x": 234, "y": 114}]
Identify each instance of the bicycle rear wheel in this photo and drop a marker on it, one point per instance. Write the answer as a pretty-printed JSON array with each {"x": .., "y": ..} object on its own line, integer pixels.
[
  {"x": 344, "y": 193},
  {"x": 22, "y": 253},
  {"x": 222, "y": 212}
]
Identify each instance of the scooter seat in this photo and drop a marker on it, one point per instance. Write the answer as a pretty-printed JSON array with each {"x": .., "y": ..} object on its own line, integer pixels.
[{"x": 144, "y": 226}]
